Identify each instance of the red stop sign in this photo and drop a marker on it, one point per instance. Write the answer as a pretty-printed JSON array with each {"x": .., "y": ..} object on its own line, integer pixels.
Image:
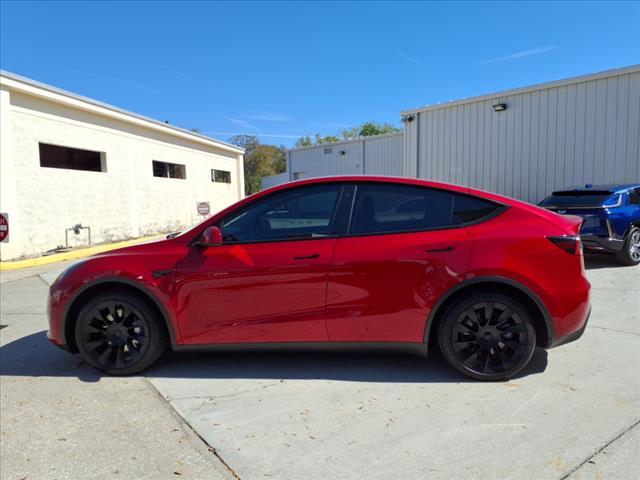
[{"x": 4, "y": 227}]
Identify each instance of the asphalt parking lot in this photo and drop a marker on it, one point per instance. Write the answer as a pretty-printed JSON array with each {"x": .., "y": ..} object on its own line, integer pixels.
[{"x": 573, "y": 413}]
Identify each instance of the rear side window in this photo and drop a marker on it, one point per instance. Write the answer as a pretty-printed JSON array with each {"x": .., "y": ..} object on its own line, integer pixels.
[
  {"x": 634, "y": 196},
  {"x": 384, "y": 208},
  {"x": 579, "y": 198}
]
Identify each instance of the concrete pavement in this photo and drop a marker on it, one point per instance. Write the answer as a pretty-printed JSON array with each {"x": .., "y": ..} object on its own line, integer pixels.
[
  {"x": 573, "y": 413},
  {"x": 60, "y": 419}
]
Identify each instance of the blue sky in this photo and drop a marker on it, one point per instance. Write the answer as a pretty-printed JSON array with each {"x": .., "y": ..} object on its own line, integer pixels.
[{"x": 281, "y": 70}]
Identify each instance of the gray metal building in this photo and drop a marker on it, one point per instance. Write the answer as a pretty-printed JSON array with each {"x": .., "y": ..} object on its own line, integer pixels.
[
  {"x": 527, "y": 142},
  {"x": 378, "y": 155},
  {"x": 523, "y": 143}
]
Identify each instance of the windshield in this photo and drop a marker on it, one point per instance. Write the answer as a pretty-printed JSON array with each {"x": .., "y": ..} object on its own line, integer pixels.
[{"x": 580, "y": 198}]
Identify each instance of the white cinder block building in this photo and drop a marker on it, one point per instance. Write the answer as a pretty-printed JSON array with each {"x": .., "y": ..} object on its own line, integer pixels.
[{"x": 68, "y": 160}]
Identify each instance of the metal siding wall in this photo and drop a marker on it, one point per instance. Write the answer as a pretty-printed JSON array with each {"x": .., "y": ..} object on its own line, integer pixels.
[
  {"x": 587, "y": 132},
  {"x": 411, "y": 139},
  {"x": 383, "y": 155},
  {"x": 273, "y": 180}
]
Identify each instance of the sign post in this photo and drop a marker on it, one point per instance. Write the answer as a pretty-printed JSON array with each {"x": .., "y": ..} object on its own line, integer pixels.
[{"x": 4, "y": 227}]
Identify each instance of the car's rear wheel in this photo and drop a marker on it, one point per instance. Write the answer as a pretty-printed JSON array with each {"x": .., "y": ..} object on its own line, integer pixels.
[
  {"x": 487, "y": 336},
  {"x": 630, "y": 254},
  {"x": 119, "y": 333}
]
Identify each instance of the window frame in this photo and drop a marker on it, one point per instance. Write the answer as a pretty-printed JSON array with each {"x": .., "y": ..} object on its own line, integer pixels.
[
  {"x": 184, "y": 165},
  {"x": 343, "y": 214},
  {"x": 500, "y": 208},
  {"x": 102, "y": 155},
  {"x": 213, "y": 176},
  {"x": 339, "y": 216}
]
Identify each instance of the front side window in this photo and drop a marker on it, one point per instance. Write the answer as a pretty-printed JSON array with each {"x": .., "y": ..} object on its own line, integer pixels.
[
  {"x": 55, "y": 156},
  {"x": 169, "y": 170},
  {"x": 220, "y": 176},
  {"x": 301, "y": 213},
  {"x": 385, "y": 208}
]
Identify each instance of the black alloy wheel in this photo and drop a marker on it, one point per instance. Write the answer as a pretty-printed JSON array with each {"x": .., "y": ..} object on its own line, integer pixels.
[
  {"x": 119, "y": 333},
  {"x": 487, "y": 337}
]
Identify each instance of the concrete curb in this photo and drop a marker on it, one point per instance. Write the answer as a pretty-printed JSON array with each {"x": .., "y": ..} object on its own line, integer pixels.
[{"x": 73, "y": 254}]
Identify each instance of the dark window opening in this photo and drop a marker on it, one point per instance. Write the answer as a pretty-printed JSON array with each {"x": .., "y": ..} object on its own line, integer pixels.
[
  {"x": 169, "y": 170},
  {"x": 400, "y": 208},
  {"x": 220, "y": 176},
  {"x": 296, "y": 214},
  {"x": 55, "y": 156},
  {"x": 471, "y": 209}
]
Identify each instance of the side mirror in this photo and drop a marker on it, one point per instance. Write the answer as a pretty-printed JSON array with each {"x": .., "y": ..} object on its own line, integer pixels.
[{"x": 211, "y": 237}]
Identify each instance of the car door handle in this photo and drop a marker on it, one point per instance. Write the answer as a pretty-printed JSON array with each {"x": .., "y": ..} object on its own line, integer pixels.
[
  {"x": 445, "y": 249},
  {"x": 308, "y": 257}
]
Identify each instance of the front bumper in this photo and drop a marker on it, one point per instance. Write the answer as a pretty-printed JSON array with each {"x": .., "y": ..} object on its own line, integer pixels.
[
  {"x": 55, "y": 333},
  {"x": 601, "y": 243}
]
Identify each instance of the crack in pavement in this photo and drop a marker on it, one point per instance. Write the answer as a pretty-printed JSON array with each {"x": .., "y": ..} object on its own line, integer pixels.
[
  {"x": 597, "y": 452},
  {"x": 193, "y": 430},
  {"x": 614, "y": 330},
  {"x": 24, "y": 313},
  {"x": 231, "y": 395}
]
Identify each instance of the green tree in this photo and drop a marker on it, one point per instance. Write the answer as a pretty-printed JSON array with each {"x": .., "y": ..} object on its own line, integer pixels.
[
  {"x": 319, "y": 139},
  {"x": 369, "y": 129},
  {"x": 366, "y": 129},
  {"x": 259, "y": 160},
  {"x": 248, "y": 142},
  {"x": 305, "y": 141}
]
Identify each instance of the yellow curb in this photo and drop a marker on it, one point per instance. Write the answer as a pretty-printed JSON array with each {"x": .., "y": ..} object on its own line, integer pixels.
[{"x": 72, "y": 255}]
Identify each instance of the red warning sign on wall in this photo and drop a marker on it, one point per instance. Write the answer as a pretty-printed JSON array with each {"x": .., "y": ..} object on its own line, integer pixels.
[{"x": 4, "y": 227}]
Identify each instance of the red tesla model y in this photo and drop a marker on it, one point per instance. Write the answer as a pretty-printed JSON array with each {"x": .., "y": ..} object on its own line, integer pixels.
[{"x": 338, "y": 262}]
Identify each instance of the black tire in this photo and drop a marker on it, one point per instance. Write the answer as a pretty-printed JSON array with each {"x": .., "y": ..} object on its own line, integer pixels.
[
  {"x": 119, "y": 333},
  {"x": 630, "y": 254},
  {"x": 493, "y": 348}
]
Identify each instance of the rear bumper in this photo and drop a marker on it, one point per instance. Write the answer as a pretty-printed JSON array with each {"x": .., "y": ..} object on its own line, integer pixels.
[
  {"x": 572, "y": 337},
  {"x": 601, "y": 243}
]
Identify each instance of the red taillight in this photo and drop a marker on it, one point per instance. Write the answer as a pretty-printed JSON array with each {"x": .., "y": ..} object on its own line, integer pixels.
[{"x": 571, "y": 245}]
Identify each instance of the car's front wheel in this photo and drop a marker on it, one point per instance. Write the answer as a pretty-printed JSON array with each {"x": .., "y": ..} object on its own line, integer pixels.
[
  {"x": 119, "y": 333},
  {"x": 487, "y": 336},
  {"x": 630, "y": 254}
]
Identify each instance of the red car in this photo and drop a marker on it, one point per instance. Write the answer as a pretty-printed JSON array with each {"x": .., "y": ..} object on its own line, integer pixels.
[{"x": 338, "y": 262}]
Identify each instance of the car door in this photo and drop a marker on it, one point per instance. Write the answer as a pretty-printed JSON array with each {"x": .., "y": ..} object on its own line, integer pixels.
[
  {"x": 267, "y": 282},
  {"x": 405, "y": 247}
]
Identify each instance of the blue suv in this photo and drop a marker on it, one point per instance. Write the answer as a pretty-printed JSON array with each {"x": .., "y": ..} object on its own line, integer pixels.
[{"x": 611, "y": 216}]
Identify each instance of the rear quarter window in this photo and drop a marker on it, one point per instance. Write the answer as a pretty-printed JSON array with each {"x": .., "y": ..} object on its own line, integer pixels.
[{"x": 472, "y": 209}]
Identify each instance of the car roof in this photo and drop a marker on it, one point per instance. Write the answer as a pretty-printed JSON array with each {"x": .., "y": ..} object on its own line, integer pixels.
[
  {"x": 371, "y": 179},
  {"x": 613, "y": 188},
  {"x": 501, "y": 199}
]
